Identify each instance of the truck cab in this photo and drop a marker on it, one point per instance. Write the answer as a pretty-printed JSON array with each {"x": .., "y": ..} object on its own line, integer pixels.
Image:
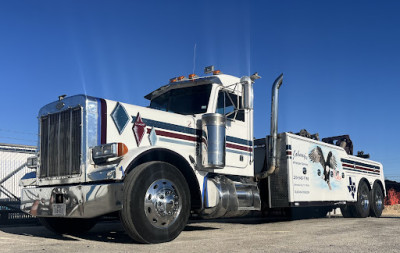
[{"x": 221, "y": 94}]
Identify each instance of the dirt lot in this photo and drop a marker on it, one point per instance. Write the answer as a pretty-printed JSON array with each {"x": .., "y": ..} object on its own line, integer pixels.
[
  {"x": 391, "y": 210},
  {"x": 334, "y": 234}
]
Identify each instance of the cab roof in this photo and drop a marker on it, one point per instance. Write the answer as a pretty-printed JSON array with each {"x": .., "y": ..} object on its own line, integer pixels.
[{"x": 221, "y": 79}]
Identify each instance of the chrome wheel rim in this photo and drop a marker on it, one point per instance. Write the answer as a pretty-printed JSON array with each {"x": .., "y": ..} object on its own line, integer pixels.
[
  {"x": 162, "y": 203},
  {"x": 364, "y": 200},
  {"x": 379, "y": 200}
]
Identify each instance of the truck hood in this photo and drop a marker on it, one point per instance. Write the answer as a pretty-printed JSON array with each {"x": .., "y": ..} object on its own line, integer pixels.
[{"x": 138, "y": 126}]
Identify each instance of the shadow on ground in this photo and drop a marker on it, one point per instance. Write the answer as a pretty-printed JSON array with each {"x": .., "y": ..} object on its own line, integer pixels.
[{"x": 109, "y": 231}]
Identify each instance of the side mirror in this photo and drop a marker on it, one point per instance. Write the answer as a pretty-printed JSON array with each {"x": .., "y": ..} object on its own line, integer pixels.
[{"x": 247, "y": 93}]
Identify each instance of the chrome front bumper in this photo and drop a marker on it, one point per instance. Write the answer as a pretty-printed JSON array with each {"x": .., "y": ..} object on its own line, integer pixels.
[{"x": 77, "y": 201}]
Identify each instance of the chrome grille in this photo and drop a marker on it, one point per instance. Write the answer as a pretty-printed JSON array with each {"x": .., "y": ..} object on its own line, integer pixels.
[{"x": 60, "y": 143}]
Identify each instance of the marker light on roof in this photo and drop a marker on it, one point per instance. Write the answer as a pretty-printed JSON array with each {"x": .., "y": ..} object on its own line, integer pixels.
[
  {"x": 192, "y": 76},
  {"x": 216, "y": 72},
  {"x": 173, "y": 80},
  {"x": 181, "y": 78}
]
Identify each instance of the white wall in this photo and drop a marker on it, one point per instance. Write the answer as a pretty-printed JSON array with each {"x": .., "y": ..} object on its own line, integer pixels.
[{"x": 11, "y": 158}]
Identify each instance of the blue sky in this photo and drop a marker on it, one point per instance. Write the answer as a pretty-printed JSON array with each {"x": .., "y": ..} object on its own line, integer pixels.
[{"x": 340, "y": 59}]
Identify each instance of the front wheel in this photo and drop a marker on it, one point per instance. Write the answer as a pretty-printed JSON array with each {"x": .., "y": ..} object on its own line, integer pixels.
[{"x": 156, "y": 203}]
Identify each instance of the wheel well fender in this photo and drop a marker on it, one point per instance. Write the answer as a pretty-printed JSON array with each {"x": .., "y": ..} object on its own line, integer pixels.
[
  {"x": 171, "y": 157},
  {"x": 366, "y": 181},
  {"x": 379, "y": 182}
]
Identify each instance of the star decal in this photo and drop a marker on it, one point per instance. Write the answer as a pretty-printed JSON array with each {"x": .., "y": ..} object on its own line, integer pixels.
[{"x": 351, "y": 187}]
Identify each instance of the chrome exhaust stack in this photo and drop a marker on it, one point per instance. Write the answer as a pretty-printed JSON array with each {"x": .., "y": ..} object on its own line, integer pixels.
[{"x": 272, "y": 157}]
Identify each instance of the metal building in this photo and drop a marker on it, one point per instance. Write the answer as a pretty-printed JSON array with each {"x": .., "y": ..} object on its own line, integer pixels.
[{"x": 12, "y": 168}]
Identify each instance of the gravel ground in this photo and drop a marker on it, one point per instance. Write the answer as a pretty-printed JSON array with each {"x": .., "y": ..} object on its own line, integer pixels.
[{"x": 334, "y": 234}]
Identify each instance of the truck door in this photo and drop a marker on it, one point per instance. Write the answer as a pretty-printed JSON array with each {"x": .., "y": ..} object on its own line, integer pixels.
[{"x": 238, "y": 145}]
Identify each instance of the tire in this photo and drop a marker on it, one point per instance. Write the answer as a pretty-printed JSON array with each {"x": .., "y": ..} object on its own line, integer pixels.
[
  {"x": 156, "y": 203},
  {"x": 347, "y": 211},
  {"x": 363, "y": 204},
  {"x": 67, "y": 225},
  {"x": 377, "y": 200}
]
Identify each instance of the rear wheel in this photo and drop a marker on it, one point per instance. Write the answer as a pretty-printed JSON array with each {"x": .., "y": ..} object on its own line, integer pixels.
[
  {"x": 67, "y": 225},
  {"x": 156, "y": 203},
  {"x": 347, "y": 211},
  {"x": 363, "y": 204},
  {"x": 377, "y": 198}
]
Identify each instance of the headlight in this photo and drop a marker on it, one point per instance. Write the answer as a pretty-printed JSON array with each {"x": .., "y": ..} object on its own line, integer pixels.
[
  {"x": 32, "y": 162},
  {"x": 110, "y": 150}
]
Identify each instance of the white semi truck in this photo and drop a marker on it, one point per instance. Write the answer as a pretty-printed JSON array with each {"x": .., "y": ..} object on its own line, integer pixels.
[{"x": 191, "y": 151}]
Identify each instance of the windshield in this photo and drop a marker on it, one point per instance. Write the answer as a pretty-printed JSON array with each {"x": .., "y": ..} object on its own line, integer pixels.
[{"x": 190, "y": 100}]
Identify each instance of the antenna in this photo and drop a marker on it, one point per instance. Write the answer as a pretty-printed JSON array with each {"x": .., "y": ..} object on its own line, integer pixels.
[{"x": 194, "y": 57}]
